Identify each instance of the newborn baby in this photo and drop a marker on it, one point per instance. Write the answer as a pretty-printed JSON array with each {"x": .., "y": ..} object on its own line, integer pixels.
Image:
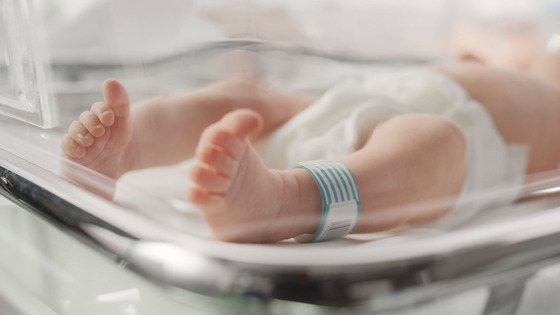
[{"x": 388, "y": 145}]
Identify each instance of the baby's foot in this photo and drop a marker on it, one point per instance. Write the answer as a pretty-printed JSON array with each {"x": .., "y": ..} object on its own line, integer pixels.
[
  {"x": 100, "y": 137},
  {"x": 237, "y": 195}
]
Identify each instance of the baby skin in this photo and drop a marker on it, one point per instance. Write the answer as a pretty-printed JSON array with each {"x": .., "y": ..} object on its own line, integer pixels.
[{"x": 406, "y": 160}]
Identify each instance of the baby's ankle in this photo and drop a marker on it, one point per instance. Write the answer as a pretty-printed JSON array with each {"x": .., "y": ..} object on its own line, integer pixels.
[{"x": 300, "y": 205}]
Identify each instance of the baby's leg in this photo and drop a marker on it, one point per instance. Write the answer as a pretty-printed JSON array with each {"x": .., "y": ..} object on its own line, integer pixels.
[
  {"x": 408, "y": 160},
  {"x": 411, "y": 170},
  {"x": 112, "y": 140},
  {"x": 547, "y": 67}
]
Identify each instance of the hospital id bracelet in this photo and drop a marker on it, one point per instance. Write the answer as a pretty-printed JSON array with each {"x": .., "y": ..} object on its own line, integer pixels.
[{"x": 340, "y": 197}]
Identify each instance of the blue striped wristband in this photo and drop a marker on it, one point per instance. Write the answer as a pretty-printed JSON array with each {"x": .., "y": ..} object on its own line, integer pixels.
[{"x": 340, "y": 197}]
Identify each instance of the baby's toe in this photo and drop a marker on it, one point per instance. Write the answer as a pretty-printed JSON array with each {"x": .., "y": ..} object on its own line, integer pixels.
[
  {"x": 104, "y": 113},
  {"x": 216, "y": 136},
  {"x": 217, "y": 159},
  {"x": 80, "y": 134},
  {"x": 202, "y": 197},
  {"x": 92, "y": 124},
  {"x": 71, "y": 148},
  {"x": 209, "y": 180},
  {"x": 242, "y": 122}
]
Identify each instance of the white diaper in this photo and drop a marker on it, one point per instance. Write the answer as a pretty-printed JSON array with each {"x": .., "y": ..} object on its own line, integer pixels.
[{"x": 330, "y": 126}]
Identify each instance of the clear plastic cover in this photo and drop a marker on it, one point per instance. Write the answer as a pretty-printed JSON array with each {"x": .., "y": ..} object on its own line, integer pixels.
[
  {"x": 57, "y": 55},
  {"x": 140, "y": 95}
]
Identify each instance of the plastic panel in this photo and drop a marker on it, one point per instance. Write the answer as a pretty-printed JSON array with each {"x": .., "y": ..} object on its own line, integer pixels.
[{"x": 24, "y": 93}]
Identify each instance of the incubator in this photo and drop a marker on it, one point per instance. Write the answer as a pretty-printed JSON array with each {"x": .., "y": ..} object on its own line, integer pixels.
[{"x": 76, "y": 241}]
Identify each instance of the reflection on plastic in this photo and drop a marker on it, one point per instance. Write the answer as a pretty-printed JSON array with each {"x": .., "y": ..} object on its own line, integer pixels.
[{"x": 128, "y": 295}]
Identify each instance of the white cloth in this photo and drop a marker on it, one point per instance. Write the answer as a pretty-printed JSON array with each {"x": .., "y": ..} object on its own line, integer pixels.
[{"x": 329, "y": 127}]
